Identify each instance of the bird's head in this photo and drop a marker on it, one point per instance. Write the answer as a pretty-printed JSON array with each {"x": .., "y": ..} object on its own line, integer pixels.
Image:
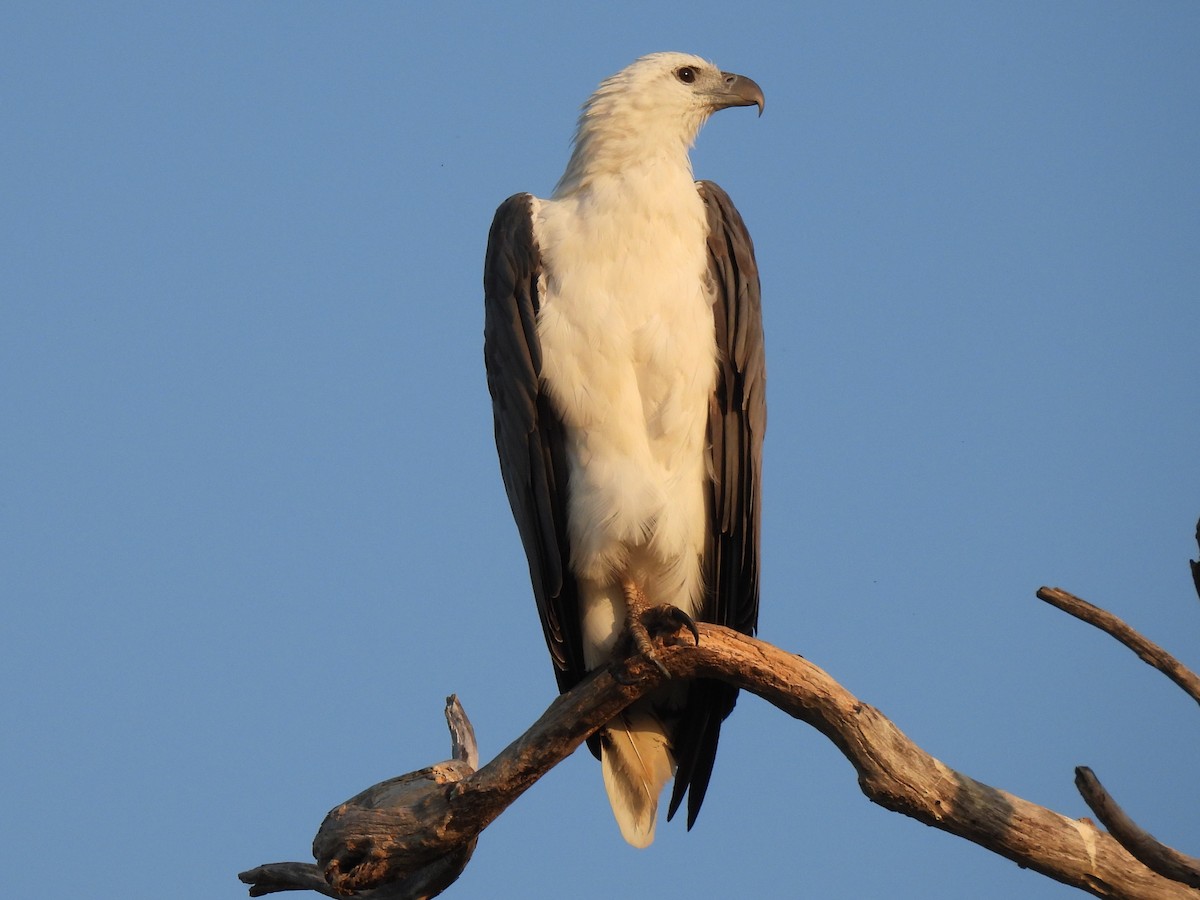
[
  {"x": 674, "y": 86},
  {"x": 655, "y": 107}
]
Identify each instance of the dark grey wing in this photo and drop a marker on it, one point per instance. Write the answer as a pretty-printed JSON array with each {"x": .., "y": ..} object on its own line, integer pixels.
[
  {"x": 737, "y": 421},
  {"x": 737, "y": 417},
  {"x": 529, "y": 434}
]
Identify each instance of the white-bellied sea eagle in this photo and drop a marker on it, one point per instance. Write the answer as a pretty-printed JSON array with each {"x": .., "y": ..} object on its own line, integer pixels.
[{"x": 624, "y": 351}]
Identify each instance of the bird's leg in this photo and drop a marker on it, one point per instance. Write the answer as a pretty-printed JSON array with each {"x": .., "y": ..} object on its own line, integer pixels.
[
  {"x": 636, "y": 606},
  {"x": 639, "y": 614}
]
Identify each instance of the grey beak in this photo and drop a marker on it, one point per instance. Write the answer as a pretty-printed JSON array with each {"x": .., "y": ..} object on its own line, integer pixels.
[{"x": 740, "y": 91}]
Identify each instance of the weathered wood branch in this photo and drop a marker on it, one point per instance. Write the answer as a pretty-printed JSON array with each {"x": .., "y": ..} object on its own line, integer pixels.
[
  {"x": 1195, "y": 563},
  {"x": 1155, "y": 855},
  {"x": 399, "y": 793},
  {"x": 380, "y": 835},
  {"x": 1152, "y": 853},
  {"x": 1150, "y": 653}
]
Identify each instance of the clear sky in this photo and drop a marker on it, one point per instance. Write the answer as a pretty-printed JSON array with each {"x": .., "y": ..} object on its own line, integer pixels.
[{"x": 252, "y": 529}]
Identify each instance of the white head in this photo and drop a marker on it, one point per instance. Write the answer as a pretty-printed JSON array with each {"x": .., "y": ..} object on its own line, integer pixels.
[{"x": 651, "y": 110}]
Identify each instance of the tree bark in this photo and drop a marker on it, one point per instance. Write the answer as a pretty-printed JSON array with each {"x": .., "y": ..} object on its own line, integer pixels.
[
  {"x": 386, "y": 834},
  {"x": 1160, "y": 858}
]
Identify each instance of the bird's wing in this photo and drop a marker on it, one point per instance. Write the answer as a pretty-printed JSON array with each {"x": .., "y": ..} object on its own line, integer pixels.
[
  {"x": 736, "y": 423},
  {"x": 529, "y": 434}
]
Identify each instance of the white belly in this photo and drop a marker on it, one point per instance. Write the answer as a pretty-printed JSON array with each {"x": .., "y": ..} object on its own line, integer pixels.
[{"x": 629, "y": 354}]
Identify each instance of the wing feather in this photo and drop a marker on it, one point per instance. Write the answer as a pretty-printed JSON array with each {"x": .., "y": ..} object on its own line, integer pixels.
[
  {"x": 736, "y": 425},
  {"x": 529, "y": 434}
]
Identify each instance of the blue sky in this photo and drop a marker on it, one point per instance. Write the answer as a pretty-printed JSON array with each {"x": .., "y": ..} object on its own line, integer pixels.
[{"x": 252, "y": 522}]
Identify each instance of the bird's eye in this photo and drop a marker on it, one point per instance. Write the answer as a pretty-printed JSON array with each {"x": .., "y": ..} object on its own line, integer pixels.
[{"x": 686, "y": 74}]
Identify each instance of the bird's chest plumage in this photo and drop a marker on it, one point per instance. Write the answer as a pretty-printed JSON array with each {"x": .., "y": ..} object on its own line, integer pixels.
[{"x": 628, "y": 359}]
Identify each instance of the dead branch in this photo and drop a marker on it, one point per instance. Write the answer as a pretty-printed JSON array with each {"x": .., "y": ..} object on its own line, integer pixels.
[
  {"x": 384, "y": 834},
  {"x": 285, "y": 876},
  {"x": 1151, "y": 653},
  {"x": 395, "y": 794},
  {"x": 1195, "y": 563},
  {"x": 1156, "y": 855}
]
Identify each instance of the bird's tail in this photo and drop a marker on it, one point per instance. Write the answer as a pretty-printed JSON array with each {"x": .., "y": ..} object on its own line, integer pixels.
[{"x": 635, "y": 756}]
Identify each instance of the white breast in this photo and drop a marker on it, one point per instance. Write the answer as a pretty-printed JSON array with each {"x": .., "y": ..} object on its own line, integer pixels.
[{"x": 628, "y": 346}]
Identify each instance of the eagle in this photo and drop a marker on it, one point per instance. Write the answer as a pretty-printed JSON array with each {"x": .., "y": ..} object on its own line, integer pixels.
[{"x": 624, "y": 352}]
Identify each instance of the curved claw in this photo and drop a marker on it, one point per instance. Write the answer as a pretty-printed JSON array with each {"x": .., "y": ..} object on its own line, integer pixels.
[
  {"x": 641, "y": 617},
  {"x": 682, "y": 618}
]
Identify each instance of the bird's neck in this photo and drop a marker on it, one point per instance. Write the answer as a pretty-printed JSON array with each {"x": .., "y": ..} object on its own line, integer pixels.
[
  {"x": 634, "y": 186},
  {"x": 630, "y": 150}
]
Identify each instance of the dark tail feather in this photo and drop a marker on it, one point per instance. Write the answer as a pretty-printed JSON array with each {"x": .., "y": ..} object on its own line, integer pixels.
[{"x": 695, "y": 743}]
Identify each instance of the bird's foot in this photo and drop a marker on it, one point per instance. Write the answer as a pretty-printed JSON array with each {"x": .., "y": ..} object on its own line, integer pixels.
[
  {"x": 667, "y": 618},
  {"x": 642, "y": 620}
]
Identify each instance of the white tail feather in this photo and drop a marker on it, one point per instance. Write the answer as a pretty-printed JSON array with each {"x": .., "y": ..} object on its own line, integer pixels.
[{"x": 636, "y": 760}]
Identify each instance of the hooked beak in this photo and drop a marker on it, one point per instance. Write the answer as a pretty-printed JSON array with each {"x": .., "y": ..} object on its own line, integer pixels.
[{"x": 738, "y": 90}]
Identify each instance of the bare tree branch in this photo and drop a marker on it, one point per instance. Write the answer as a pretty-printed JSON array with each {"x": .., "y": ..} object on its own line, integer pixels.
[
  {"x": 297, "y": 876},
  {"x": 1159, "y": 857},
  {"x": 272, "y": 878},
  {"x": 416, "y": 882},
  {"x": 1195, "y": 563},
  {"x": 1150, "y": 652},
  {"x": 383, "y": 834}
]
